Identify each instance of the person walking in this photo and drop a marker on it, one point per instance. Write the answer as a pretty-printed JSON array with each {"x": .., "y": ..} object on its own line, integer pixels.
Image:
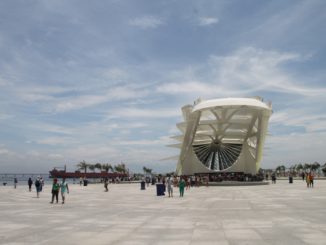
[
  {"x": 42, "y": 183},
  {"x": 182, "y": 184},
  {"x": 273, "y": 178},
  {"x": 187, "y": 183},
  {"x": 170, "y": 186},
  {"x": 55, "y": 190},
  {"x": 15, "y": 183},
  {"x": 311, "y": 178},
  {"x": 148, "y": 180},
  {"x": 308, "y": 180},
  {"x": 64, "y": 189},
  {"x": 106, "y": 183},
  {"x": 30, "y": 182},
  {"x": 38, "y": 187}
]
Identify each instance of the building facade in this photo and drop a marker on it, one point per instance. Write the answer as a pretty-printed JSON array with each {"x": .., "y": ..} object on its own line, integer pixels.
[{"x": 222, "y": 135}]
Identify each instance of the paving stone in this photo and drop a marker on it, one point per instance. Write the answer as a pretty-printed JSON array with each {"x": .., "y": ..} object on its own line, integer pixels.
[{"x": 268, "y": 214}]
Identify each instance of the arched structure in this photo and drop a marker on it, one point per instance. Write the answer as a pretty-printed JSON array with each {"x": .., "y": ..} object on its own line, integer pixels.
[{"x": 222, "y": 135}]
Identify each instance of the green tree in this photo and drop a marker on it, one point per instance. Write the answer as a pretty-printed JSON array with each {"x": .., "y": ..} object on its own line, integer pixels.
[
  {"x": 82, "y": 166},
  {"x": 315, "y": 166},
  {"x": 98, "y": 166},
  {"x": 107, "y": 167},
  {"x": 147, "y": 170},
  {"x": 281, "y": 169},
  {"x": 299, "y": 167},
  {"x": 120, "y": 168},
  {"x": 293, "y": 168},
  {"x": 91, "y": 167},
  {"x": 323, "y": 168},
  {"x": 306, "y": 166}
]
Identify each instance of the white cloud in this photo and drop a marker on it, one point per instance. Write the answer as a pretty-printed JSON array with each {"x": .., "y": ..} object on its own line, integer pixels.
[
  {"x": 4, "y": 151},
  {"x": 40, "y": 93},
  {"x": 191, "y": 87},
  {"x": 115, "y": 74},
  {"x": 49, "y": 128},
  {"x": 4, "y": 116},
  {"x": 294, "y": 148},
  {"x": 146, "y": 113},
  {"x": 34, "y": 153},
  {"x": 164, "y": 140},
  {"x": 114, "y": 94},
  {"x": 79, "y": 102},
  {"x": 3, "y": 82},
  {"x": 55, "y": 156},
  {"x": 300, "y": 118},
  {"x": 92, "y": 153},
  {"x": 260, "y": 70},
  {"x": 33, "y": 97},
  {"x": 207, "y": 21},
  {"x": 245, "y": 72},
  {"x": 57, "y": 141},
  {"x": 146, "y": 22}
]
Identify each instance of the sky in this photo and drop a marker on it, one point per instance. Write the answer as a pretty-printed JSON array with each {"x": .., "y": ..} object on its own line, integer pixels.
[{"x": 104, "y": 81}]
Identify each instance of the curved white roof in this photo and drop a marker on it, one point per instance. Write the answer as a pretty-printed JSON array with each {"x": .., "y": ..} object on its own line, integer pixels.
[{"x": 231, "y": 102}]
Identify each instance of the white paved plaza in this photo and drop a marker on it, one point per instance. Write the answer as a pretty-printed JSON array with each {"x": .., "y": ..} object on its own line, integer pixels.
[{"x": 268, "y": 214}]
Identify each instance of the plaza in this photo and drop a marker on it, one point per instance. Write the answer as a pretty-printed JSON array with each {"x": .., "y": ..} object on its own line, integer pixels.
[{"x": 266, "y": 214}]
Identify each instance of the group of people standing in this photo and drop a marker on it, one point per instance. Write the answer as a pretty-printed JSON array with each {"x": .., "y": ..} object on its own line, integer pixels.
[
  {"x": 63, "y": 187},
  {"x": 308, "y": 177},
  {"x": 56, "y": 187},
  {"x": 310, "y": 180},
  {"x": 173, "y": 182},
  {"x": 39, "y": 183}
]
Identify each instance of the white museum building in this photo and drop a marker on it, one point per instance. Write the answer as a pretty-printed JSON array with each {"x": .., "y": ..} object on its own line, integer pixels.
[{"x": 222, "y": 135}]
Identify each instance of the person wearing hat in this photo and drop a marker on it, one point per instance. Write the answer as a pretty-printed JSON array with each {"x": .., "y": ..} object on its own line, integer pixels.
[{"x": 55, "y": 190}]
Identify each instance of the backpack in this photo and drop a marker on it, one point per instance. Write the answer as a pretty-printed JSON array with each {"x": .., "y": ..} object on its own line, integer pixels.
[{"x": 37, "y": 183}]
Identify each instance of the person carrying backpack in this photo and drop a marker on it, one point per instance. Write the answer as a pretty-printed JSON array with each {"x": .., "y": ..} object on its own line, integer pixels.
[
  {"x": 30, "y": 182},
  {"x": 38, "y": 187}
]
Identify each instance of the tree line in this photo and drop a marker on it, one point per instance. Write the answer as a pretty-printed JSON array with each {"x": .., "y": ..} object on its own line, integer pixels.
[
  {"x": 303, "y": 167},
  {"x": 84, "y": 166}
]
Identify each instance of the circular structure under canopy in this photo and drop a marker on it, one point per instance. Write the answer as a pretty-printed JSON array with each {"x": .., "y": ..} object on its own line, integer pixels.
[{"x": 217, "y": 155}]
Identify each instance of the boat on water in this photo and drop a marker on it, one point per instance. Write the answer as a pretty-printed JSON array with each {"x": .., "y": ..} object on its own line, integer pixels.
[{"x": 91, "y": 175}]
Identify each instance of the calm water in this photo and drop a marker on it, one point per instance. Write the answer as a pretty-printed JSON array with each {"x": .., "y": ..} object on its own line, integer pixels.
[{"x": 22, "y": 179}]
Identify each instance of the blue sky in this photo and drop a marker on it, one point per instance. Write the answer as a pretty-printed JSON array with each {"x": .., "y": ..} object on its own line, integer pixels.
[{"x": 104, "y": 81}]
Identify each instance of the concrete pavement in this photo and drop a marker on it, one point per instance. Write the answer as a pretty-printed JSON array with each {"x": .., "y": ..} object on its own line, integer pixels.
[{"x": 268, "y": 214}]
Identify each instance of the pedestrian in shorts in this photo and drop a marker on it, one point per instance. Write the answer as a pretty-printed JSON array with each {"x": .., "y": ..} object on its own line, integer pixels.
[{"x": 64, "y": 189}]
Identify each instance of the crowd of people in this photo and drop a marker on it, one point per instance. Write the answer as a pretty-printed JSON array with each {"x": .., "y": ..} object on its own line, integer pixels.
[
  {"x": 308, "y": 177},
  {"x": 180, "y": 182},
  {"x": 56, "y": 187},
  {"x": 170, "y": 182},
  {"x": 39, "y": 183}
]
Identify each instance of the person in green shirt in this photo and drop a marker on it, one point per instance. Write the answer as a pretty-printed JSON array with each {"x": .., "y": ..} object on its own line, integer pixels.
[
  {"x": 182, "y": 184},
  {"x": 55, "y": 190}
]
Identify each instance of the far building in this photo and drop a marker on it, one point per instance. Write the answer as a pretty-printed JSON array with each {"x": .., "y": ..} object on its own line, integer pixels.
[{"x": 222, "y": 135}]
